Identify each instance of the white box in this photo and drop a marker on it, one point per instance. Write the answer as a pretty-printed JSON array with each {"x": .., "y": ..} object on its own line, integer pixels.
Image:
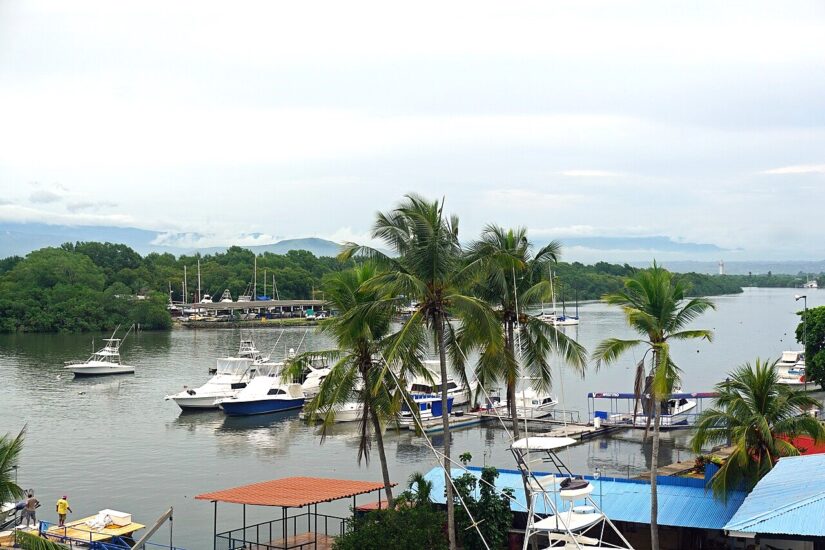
[{"x": 118, "y": 518}]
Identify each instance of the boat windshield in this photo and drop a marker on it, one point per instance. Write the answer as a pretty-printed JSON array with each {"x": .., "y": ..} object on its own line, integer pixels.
[{"x": 233, "y": 365}]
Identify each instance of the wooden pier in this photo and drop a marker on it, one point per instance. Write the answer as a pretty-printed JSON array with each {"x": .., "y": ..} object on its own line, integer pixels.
[{"x": 554, "y": 427}]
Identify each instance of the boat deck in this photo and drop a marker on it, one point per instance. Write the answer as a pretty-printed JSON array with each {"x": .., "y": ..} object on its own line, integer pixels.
[{"x": 79, "y": 530}]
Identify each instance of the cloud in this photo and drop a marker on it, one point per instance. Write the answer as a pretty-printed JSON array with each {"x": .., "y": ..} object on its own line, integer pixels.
[
  {"x": 5, "y": 202},
  {"x": 89, "y": 205},
  {"x": 45, "y": 197},
  {"x": 24, "y": 214},
  {"x": 527, "y": 198},
  {"x": 200, "y": 240},
  {"x": 798, "y": 169},
  {"x": 590, "y": 173}
]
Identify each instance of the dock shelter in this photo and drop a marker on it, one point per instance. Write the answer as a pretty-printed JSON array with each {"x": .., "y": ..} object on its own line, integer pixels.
[
  {"x": 689, "y": 515},
  {"x": 786, "y": 509},
  {"x": 302, "y": 530}
]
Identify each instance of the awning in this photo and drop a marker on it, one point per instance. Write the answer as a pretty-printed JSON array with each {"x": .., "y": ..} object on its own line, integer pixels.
[{"x": 293, "y": 492}]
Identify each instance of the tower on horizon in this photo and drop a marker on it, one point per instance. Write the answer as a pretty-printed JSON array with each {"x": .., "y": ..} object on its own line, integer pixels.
[{"x": 721, "y": 267}]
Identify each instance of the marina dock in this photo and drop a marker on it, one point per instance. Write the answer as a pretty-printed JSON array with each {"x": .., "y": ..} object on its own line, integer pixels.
[{"x": 555, "y": 427}]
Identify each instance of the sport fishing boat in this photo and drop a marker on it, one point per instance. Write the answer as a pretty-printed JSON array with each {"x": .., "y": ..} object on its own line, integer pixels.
[
  {"x": 102, "y": 362},
  {"x": 790, "y": 368},
  {"x": 675, "y": 412},
  {"x": 266, "y": 393},
  {"x": 314, "y": 374},
  {"x": 232, "y": 374}
]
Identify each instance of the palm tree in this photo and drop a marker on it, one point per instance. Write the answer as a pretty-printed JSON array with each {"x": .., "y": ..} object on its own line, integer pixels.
[
  {"x": 510, "y": 278},
  {"x": 10, "y": 449},
  {"x": 759, "y": 417},
  {"x": 361, "y": 332},
  {"x": 655, "y": 306},
  {"x": 429, "y": 270}
]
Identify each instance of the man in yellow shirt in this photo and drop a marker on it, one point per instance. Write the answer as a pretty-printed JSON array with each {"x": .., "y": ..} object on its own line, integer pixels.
[{"x": 62, "y": 508}]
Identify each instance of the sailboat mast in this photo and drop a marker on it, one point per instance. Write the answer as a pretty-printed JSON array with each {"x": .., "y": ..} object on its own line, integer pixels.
[
  {"x": 255, "y": 279},
  {"x": 199, "y": 280},
  {"x": 553, "y": 291},
  {"x": 264, "y": 281},
  {"x": 184, "y": 283}
]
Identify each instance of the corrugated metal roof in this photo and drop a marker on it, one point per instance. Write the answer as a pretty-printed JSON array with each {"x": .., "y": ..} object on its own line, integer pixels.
[
  {"x": 790, "y": 500},
  {"x": 683, "y": 502},
  {"x": 293, "y": 492}
]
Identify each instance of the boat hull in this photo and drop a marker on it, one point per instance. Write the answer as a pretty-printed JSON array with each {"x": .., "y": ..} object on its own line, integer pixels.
[
  {"x": 100, "y": 370},
  {"x": 198, "y": 402},
  {"x": 235, "y": 407}
]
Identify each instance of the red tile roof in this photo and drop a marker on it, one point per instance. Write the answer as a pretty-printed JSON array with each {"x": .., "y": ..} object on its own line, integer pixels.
[{"x": 293, "y": 492}]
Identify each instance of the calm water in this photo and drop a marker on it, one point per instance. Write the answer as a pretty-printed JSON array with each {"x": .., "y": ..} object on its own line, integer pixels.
[{"x": 114, "y": 443}]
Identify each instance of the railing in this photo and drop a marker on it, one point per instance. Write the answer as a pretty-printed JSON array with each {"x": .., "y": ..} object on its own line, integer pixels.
[
  {"x": 269, "y": 535},
  {"x": 84, "y": 541}
]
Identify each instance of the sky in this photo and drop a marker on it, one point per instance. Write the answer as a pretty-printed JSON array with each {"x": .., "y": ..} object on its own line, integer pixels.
[{"x": 249, "y": 122}]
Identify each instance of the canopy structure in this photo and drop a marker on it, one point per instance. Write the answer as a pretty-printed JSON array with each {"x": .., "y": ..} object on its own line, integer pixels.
[
  {"x": 543, "y": 443},
  {"x": 293, "y": 492},
  {"x": 298, "y": 530}
]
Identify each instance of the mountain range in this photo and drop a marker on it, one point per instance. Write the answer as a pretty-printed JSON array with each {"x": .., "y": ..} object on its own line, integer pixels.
[{"x": 21, "y": 238}]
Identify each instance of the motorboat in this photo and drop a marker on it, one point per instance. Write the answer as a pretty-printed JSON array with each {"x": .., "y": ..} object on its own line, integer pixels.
[
  {"x": 226, "y": 297},
  {"x": 790, "y": 369},
  {"x": 264, "y": 394},
  {"x": 421, "y": 386},
  {"x": 232, "y": 374},
  {"x": 675, "y": 412},
  {"x": 246, "y": 350},
  {"x": 428, "y": 407},
  {"x": 102, "y": 362},
  {"x": 530, "y": 403}
]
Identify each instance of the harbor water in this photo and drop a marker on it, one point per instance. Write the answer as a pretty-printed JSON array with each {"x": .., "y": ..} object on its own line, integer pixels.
[{"x": 115, "y": 443}]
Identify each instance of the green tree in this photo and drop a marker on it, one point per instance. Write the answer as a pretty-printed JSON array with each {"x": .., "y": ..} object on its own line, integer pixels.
[
  {"x": 511, "y": 278},
  {"x": 655, "y": 306},
  {"x": 759, "y": 417},
  {"x": 10, "y": 449},
  {"x": 490, "y": 511},
  {"x": 361, "y": 332},
  {"x": 429, "y": 271},
  {"x": 815, "y": 346}
]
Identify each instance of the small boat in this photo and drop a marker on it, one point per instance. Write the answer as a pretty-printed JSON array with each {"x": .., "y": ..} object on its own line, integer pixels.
[
  {"x": 553, "y": 317},
  {"x": 232, "y": 374},
  {"x": 790, "y": 368},
  {"x": 266, "y": 393},
  {"x": 429, "y": 407},
  {"x": 102, "y": 362}
]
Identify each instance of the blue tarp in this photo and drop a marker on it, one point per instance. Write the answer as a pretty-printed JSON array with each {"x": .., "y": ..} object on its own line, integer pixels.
[
  {"x": 790, "y": 500},
  {"x": 683, "y": 502}
]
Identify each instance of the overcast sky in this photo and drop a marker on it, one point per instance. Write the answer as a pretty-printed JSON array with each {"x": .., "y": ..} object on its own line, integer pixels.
[{"x": 251, "y": 122}]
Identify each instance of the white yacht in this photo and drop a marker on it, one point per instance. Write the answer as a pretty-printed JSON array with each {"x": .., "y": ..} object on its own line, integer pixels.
[
  {"x": 530, "y": 403},
  {"x": 102, "y": 362},
  {"x": 675, "y": 411},
  {"x": 790, "y": 368},
  {"x": 420, "y": 386},
  {"x": 232, "y": 374}
]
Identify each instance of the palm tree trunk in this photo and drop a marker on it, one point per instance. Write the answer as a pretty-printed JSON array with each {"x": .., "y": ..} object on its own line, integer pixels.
[
  {"x": 654, "y": 463},
  {"x": 445, "y": 418},
  {"x": 382, "y": 455},
  {"x": 511, "y": 384}
]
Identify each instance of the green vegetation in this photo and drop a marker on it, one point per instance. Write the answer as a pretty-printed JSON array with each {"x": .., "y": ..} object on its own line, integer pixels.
[
  {"x": 759, "y": 417},
  {"x": 10, "y": 449},
  {"x": 815, "y": 346},
  {"x": 413, "y": 523},
  {"x": 490, "y": 511},
  {"x": 28, "y": 541},
  {"x": 655, "y": 306}
]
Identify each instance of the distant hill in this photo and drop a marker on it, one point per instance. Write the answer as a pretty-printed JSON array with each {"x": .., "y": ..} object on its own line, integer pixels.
[
  {"x": 743, "y": 267},
  {"x": 18, "y": 239}
]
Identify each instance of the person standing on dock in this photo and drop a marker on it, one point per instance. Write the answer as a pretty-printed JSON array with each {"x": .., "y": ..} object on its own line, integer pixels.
[
  {"x": 30, "y": 510},
  {"x": 62, "y": 508}
]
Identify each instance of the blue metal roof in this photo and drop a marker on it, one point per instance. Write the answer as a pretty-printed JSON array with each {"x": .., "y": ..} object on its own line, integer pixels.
[
  {"x": 683, "y": 502},
  {"x": 790, "y": 500}
]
